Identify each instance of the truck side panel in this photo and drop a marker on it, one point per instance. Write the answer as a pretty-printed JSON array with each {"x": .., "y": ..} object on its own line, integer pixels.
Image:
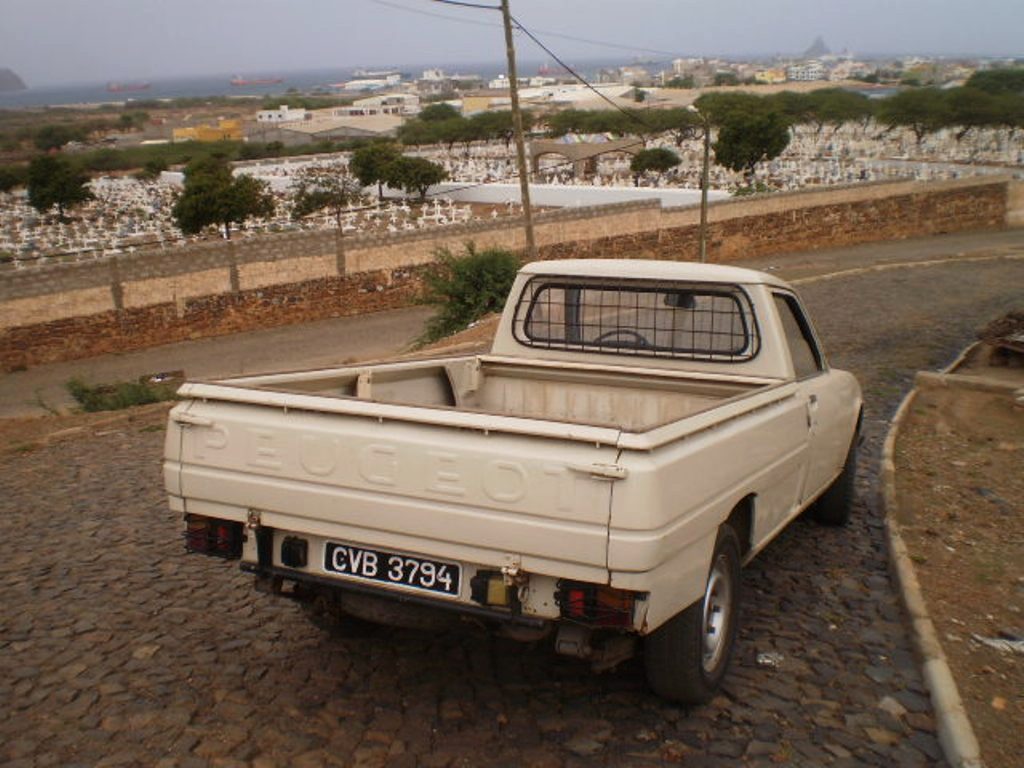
[{"x": 666, "y": 513}]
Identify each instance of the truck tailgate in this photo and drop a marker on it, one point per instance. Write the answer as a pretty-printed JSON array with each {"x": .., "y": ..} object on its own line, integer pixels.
[{"x": 461, "y": 493}]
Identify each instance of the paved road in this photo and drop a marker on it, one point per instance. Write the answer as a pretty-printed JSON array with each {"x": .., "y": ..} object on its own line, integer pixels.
[
  {"x": 41, "y": 390},
  {"x": 116, "y": 649}
]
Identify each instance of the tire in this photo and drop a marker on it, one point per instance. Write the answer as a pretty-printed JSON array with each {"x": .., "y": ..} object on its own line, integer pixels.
[
  {"x": 833, "y": 506},
  {"x": 687, "y": 656}
]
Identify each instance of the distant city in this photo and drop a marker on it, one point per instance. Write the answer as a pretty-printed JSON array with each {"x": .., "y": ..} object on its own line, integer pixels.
[{"x": 816, "y": 64}]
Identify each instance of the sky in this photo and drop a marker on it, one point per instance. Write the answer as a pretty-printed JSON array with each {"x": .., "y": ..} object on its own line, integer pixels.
[{"x": 51, "y": 42}]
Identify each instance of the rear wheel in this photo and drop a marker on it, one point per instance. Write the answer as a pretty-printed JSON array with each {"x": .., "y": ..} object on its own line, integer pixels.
[
  {"x": 834, "y": 505},
  {"x": 686, "y": 657}
]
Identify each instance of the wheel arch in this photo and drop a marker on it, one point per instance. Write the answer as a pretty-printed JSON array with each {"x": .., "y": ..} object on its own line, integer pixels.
[{"x": 741, "y": 520}]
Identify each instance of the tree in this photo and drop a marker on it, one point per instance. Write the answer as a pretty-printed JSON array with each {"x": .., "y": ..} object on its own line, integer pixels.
[
  {"x": 213, "y": 196},
  {"x": 437, "y": 112},
  {"x": 56, "y": 136},
  {"x": 796, "y": 107},
  {"x": 498, "y": 125},
  {"x": 970, "y": 108},
  {"x": 836, "y": 106},
  {"x": 370, "y": 164},
  {"x": 249, "y": 198},
  {"x": 998, "y": 81},
  {"x": 686, "y": 81},
  {"x": 320, "y": 187},
  {"x": 131, "y": 121},
  {"x": 746, "y": 140},
  {"x": 594, "y": 121},
  {"x": 657, "y": 159},
  {"x": 454, "y": 130},
  {"x": 417, "y": 132},
  {"x": 152, "y": 169},
  {"x": 1009, "y": 111},
  {"x": 721, "y": 107},
  {"x": 414, "y": 174},
  {"x": 682, "y": 124},
  {"x": 54, "y": 181},
  {"x": 922, "y": 110},
  {"x": 12, "y": 176}
]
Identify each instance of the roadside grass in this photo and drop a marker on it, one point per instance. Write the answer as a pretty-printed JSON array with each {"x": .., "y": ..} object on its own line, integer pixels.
[{"x": 123, "y": 394}]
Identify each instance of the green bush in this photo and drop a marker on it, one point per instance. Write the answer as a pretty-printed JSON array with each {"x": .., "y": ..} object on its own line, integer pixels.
[
  {"x": 12, "y": 176},
  {"x": 123, "y": 394},
  {"x": 758, "y": 188},
  {"x": 465, "y": 288}
]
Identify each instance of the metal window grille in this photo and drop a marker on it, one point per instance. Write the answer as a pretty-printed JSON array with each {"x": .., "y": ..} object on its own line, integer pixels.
[{"x": 696, "y": 321}]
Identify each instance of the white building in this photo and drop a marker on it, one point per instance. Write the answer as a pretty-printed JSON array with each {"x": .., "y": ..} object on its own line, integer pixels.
[
  {"x": 848, "y": 70},
  {"x": 387, "y": 104},
  {"x": 806, "y": 71},
  {"x": 634, "y": 75},
  {"x": 685, "y": 66},
  {"x": 283, "y": 114},
  {"x": 396, "y": 104},
  {"x": 372, "y": 83}
]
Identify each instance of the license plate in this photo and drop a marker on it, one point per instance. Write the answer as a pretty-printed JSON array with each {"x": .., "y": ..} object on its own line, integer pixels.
[{"x": 376, "y": 565}]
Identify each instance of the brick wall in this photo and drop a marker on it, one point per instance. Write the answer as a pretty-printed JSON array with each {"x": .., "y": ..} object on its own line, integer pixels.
[{"x": 69, "y": 311}]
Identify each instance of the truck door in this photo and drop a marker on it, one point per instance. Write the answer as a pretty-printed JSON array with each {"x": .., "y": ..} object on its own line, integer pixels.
[{"x": 817, "y": 391}]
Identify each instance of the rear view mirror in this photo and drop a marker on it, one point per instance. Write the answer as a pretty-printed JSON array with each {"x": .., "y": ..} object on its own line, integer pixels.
[{"x": 681, "y": 300}]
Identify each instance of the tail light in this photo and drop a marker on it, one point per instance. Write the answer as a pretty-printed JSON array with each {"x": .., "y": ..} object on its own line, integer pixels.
[
  {"x": 210, "y": 536},
  {"x": 595, "y": 604}
]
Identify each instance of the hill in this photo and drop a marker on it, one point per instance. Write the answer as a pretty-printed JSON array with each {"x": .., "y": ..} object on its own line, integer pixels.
[{"x": 9, "y": 81}]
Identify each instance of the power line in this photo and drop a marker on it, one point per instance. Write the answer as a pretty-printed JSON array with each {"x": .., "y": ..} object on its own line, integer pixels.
[
  {"x": 628, "y": 112},
  {"x": 469, "y": 5},
  {"x": 606, "y": 44},
  {"x": 545, "y": 32},
  {"x": 432, "y": 15}
]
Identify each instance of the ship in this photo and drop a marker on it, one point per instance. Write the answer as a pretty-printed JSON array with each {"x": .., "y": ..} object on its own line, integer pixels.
[
  {"x": 375, "y": 73},
  {"x": 239, "y": 80},
  {"x": 127, "y": 87}
]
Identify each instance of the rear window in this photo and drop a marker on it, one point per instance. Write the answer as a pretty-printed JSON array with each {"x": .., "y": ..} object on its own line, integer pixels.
[{"x": 697, "y": 321}]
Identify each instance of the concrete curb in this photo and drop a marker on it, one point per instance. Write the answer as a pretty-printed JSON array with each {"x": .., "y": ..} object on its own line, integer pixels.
[{"x": 955, "y": 732}]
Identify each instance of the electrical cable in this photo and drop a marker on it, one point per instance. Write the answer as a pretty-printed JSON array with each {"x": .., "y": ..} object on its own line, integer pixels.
[
  {"x": 469, "y": 5},
  {"x": 629, "y": 113},
  {"x": 417, "y": 11},
  {"x": 545, "y": 32}
]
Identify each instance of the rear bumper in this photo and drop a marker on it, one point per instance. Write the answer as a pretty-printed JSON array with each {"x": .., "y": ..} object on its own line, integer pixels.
[{"x": 280, "y": 575}]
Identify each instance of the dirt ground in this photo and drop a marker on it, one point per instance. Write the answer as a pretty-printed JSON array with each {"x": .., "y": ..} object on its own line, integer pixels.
[{"x": 960, "y": 490}]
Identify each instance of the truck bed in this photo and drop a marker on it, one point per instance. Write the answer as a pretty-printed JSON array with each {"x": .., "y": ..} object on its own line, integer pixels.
[{"x": 598, "y": 396}]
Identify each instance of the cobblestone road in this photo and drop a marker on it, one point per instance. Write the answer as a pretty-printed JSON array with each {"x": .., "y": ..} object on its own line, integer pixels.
[{"x": 117, "y": 649}]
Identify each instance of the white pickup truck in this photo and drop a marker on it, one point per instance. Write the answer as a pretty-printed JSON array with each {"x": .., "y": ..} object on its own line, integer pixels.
[{"x": 639, "y": 430}]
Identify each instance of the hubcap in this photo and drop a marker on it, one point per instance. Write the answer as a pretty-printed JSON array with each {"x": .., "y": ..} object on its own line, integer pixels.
[{"x": 717, "y": 602}]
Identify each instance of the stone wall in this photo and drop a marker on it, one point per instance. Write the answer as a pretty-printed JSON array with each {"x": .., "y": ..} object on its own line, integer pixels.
[
  {"x": 1015, "y": 205},
  {"x": 69, "y": 311}
]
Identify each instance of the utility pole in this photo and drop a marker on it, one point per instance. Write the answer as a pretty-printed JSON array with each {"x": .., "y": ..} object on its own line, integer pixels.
[
  {"x": 704, "y": 192},
  {"x": 517, "y": 125}
]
